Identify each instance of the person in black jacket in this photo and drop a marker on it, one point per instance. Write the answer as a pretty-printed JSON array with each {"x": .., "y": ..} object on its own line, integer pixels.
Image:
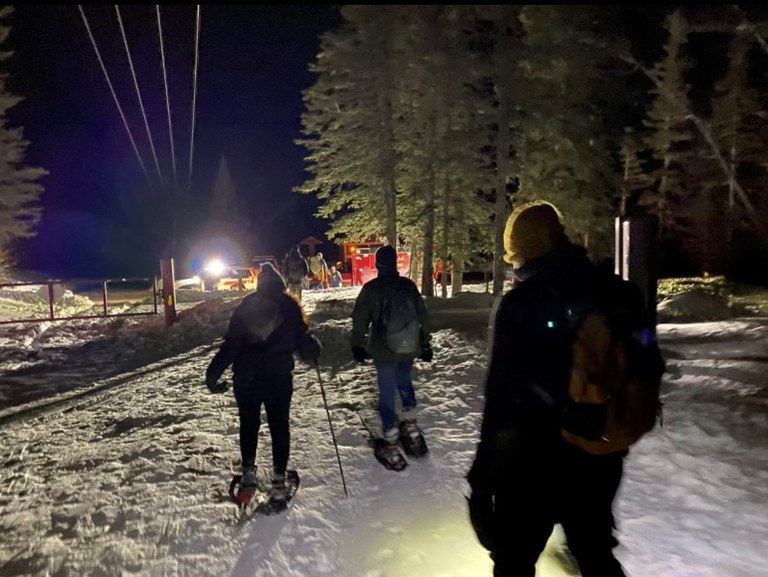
[
  {"x": 295, "y": 269},
  {"x": 266, "y": 328},
  {"x": 525, "y": 477},
  {"x": 393, "y": 368}
]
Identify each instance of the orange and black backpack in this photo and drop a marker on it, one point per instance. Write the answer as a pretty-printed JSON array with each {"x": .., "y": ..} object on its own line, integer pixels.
[{"x": 615, "y": 378}]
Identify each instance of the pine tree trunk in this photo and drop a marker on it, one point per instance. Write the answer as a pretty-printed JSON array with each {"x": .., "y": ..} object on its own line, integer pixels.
[
  {"x": 427, "y": 279},
  {"x": 500, "y": 206},
  {"x": 444, "y": 251},
  {"x": 387, "y": 138},
  {"x": 457, "y": 261},
  {"x": 388, "y": 172},
  {"x": 427, "y": 284}
]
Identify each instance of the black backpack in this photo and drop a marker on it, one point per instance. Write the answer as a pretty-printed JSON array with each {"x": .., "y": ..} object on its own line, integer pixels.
[
  {"x": 255, "y": 319},
  {"x": 398, "y": 323}
]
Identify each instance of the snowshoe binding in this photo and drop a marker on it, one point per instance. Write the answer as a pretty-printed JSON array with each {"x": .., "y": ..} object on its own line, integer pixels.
[
  {"x": 244, "y": 488},
  {"x": 253, "y": 499},
  {"x": 281, "y": 493},
  {"x": 412, "y": 439},
  {"x": 385, "y": 452},
  {"x": 389, "y": 455}
]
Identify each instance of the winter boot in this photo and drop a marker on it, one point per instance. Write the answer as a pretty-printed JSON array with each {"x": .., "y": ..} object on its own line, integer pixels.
[
  {"x": 244, "y": 487},
  {"x": 412, "y": 438},
  {"x": 279, "y": 490},
  {"x": 249, "y": 478}
]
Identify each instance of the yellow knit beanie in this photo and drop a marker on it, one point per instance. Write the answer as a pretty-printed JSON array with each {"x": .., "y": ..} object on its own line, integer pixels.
[{"x": 532, "y": 230}]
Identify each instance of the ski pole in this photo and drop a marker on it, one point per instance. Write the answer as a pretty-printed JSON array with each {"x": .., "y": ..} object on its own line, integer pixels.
[{"x": 333, "y": 435}]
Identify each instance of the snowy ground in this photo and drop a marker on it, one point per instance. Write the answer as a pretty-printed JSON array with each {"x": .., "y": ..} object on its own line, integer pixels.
[{"x": 116, "y": 459}]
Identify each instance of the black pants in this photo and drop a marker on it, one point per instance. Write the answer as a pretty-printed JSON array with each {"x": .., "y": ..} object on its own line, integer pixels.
[
  {"x": 274, "y": 392},
  {"x": 569, "y": 487}
]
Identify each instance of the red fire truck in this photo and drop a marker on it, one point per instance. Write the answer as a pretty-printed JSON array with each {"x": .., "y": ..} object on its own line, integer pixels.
[{"x": 358, "y": 262}]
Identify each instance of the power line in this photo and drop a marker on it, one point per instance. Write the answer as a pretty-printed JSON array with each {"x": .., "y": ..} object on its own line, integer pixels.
[
  {"x": 138, "y": 93},
  {"x": 112, "y": 90},
  {"x": 194, "y": 95},
  {"x": 167, "y": 98}
]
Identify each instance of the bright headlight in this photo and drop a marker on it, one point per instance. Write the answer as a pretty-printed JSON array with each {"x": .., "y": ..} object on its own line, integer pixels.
[{"x": 215, "y": 267}]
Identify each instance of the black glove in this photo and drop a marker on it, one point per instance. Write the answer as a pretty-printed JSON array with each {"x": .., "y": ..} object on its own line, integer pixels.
[
  {"x": 309, "y": 349},
  {"x": 220, "y": 387},
  {"x": 426, "y": 354},
  {"x": 360, "y": 354},
  {"x": 480, "y": 505},
  {"x": 480, "y": 500}
]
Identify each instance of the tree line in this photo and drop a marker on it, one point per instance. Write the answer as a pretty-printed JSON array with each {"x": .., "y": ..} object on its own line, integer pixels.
[
  {"x": 20, "y": 190},
  {"x": 426, "y": 125}
]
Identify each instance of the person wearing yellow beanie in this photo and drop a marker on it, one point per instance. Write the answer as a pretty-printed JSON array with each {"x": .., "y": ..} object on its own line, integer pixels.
[
  {"x": 525, "y": 477},
  {"x": 532, "y": 230}
]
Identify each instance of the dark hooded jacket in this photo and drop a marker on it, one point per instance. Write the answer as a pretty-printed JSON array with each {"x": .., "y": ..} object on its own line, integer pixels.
[
  {"x": 368, "y": 309},
  {"x": 250, "y": 355},
  {"x": 527, "y": 380},
  {"x": 295, "y": 267}
]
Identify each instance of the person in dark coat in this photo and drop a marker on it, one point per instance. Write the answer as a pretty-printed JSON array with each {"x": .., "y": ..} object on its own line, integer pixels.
[
  {"x": 265, "y": 331},
  {"x": 393, "y": 370},
  {"x": 525, "y": 477},
  {"x": 295, "y": 269}
]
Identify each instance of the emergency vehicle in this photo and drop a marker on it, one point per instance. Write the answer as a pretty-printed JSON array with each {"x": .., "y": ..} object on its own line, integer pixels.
[{"x": 358, "y": 262}]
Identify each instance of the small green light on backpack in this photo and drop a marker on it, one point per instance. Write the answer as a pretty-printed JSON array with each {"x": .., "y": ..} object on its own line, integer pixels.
[{"x": 550, "y": 324}]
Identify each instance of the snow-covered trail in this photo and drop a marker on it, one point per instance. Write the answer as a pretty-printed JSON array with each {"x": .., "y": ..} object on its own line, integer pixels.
[
  {"x": 694, "y": 499},
  {"x": 116, "y": 477},
  {"x": 131, "y": 480},
  {"x": 134, "y": 479}
]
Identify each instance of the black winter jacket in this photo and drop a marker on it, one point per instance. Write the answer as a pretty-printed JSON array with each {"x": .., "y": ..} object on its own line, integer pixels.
[
  {"x": 527, "y": 380},
  {"x": 273, "y": 356},
  {"x": 368, "y": 308}
]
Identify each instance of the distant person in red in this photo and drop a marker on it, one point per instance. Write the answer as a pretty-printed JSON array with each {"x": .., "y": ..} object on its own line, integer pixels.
[
  {"x": 438, "y": 276},
  {"x": 438, "y": 270}
]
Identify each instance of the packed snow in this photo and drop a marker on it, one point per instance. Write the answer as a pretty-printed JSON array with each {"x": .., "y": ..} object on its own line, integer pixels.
[{"x": 116, "y": 459}]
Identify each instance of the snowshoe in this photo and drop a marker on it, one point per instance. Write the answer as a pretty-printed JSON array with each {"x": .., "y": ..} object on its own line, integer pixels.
[
  {"x": 281, "y": 494},
  {"x": 242, "y": 494},
  {"x": 386, "y": 453},
  {"x": 389, "y": 455},
  {"x": 412, "y": 439}
]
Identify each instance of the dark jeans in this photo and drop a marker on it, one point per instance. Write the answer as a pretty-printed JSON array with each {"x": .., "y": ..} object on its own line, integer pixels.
[
  {"x": 274, "y": 392},
  {"x": 394, "y": 378},
  {"x": 568, "y": 487}
]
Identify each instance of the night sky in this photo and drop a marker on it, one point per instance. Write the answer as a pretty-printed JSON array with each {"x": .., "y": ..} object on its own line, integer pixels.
[{"x": 253, "y": 67}]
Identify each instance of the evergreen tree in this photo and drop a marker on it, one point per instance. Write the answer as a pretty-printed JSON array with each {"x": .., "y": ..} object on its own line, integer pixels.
[
  {"x": 349, "y": 124},
  {"x": 635, "y": 181},
  {"x": 578, "y": 103},
  {"x": 671, "y": 136},
  {"x": 440, "y": 166},
  {"x": 226, "y": 216},
  {"x": 391, "y": 136},
  {"x": 19, "y": 187},
  {"x": 738, "y": 128},
  {"x": 502, "y": 82}
]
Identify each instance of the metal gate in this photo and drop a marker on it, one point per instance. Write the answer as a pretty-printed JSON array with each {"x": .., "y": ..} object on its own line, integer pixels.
[{"x": 104, "y": 294}]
